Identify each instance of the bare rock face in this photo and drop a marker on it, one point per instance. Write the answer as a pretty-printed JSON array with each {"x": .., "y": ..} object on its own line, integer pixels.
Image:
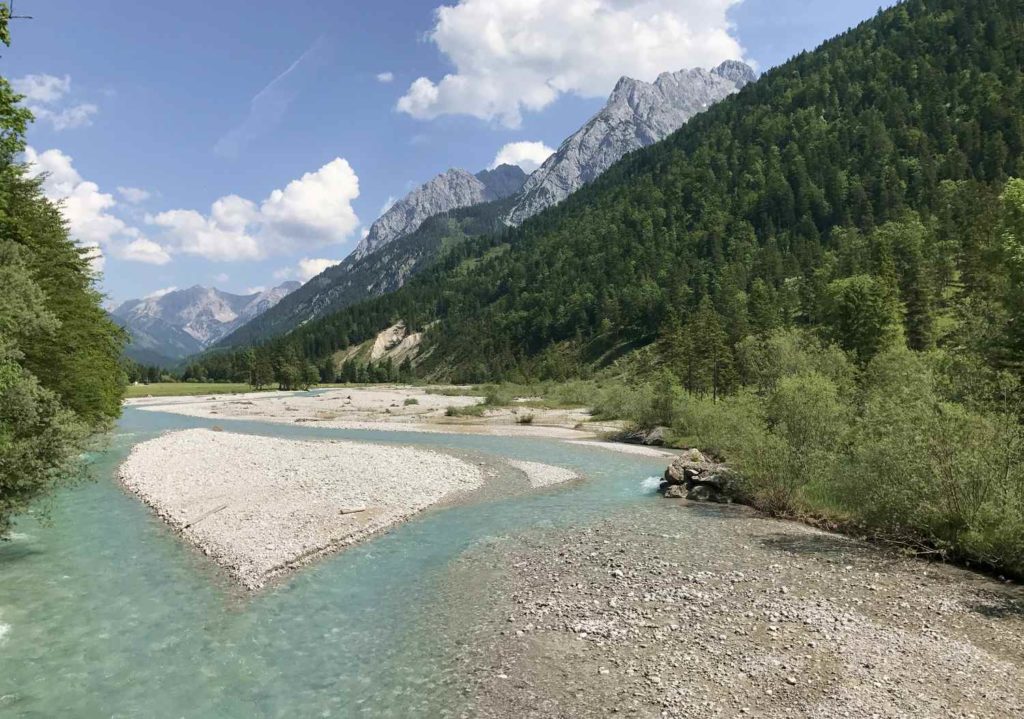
[
  {"x": 179, "y": 323},
  {"x": 638, "y": 114},
  {"x": 448, "y": 191}
]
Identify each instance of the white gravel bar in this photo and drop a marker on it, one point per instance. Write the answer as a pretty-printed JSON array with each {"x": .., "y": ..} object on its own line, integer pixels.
[
  {"x": 543, "y": 475},
  {"x": 261, "y": 505}
]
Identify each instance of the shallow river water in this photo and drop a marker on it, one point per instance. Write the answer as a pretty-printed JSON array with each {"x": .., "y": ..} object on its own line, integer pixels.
[{"x": 106, "y": 613}]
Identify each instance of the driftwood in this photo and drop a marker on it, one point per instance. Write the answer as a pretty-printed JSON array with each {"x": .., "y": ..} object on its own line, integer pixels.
[
  {"x": 203, "y": 516},
  {"x": 351, "y": 510}
]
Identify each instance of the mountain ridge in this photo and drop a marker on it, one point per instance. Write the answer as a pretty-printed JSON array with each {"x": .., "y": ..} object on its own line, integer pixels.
[{"x": 180, "y": 323}]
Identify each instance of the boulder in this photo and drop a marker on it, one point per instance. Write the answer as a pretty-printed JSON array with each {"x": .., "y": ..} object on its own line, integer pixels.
[
  {"x": 656, "y": 437},
  {"x": 676, "y": 491},
  {"x": 700, "y": 493}
]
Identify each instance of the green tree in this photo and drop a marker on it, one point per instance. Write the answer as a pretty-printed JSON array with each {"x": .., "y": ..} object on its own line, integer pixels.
[
  {"x": 61, "y": 378},
  {"x": 860, "y": 315}
]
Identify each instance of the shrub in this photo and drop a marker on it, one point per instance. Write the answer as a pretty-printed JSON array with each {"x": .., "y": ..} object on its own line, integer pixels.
[
  {"x": 410, "y": 401},
  {"x": 524, "y": 419}
]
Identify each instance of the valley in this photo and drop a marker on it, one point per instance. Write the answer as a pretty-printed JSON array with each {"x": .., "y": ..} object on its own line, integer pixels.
[{"x": 700, "y": 393}]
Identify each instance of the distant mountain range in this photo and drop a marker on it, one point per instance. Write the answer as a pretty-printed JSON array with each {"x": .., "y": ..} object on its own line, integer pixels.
[
  {"x": 167, "y": 327},
  {"x": 456, "y": 204}
]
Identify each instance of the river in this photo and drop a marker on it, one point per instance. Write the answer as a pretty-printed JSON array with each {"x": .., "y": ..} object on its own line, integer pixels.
[{"x": 105, "y": 612}]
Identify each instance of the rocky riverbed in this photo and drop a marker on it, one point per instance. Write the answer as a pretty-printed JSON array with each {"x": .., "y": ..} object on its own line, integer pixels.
[{"x": 683, "y": 610}]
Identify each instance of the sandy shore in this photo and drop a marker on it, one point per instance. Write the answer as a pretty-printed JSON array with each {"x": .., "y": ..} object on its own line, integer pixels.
[
  {"x": 388, "y": 408},
  {"x": 260, "y": 505}
]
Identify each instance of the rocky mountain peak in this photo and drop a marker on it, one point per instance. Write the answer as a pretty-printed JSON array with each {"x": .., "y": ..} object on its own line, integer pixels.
[
  {"x": 448, "y": 191},
  {"x": 637, "y": 114}
]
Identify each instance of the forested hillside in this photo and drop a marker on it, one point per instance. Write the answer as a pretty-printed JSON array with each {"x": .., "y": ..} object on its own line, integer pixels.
[
  {"x": 384, "y": 270},
  {"x": 843, "y": 177},
  {"x": 60, "y": 380}
]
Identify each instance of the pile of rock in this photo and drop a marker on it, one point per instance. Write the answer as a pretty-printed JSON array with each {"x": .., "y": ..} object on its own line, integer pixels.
[{"x": 693, "y": 476}]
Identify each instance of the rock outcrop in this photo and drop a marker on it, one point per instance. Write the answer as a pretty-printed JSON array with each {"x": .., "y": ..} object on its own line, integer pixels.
[
  {"x": 695, "y": 477},
  {"x": 448, "y": 191},
  {"x": 637, "y": 114}
]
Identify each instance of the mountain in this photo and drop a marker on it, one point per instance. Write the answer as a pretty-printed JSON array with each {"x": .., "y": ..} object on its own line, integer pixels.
[
  {"x": 855, "y": 180},
  {"x": 448, "y": 191},
  {"x": 183, "y": 322},
  {"x": 384, "y": 270},
  {"x": 414, "y": 231},
  {"x": 636, "y": 115}
]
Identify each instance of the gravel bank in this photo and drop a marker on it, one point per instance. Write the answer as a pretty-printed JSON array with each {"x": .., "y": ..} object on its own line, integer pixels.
[
  {"x": 260, "y": 505},
  {"x": 694, "y": 611},
  {"x": 390, "y": 408},
  {"x": 543, "y": 475}
]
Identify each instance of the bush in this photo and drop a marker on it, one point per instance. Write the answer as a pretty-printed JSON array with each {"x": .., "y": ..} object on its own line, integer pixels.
[
  {"x": 410, "y": 401},
  {"x": 524, "y": 419},
  {"x": 473, "y": 410}
]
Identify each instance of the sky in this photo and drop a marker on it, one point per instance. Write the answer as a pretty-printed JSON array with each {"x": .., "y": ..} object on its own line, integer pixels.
[{"x": 242, "y": 143}]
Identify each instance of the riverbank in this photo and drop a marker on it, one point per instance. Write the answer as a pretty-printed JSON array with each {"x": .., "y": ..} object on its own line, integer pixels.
[
  {"x": 685, "y": 610},
  {"x": 388, "y": 408},
  {"x": 259, "y": 506}
]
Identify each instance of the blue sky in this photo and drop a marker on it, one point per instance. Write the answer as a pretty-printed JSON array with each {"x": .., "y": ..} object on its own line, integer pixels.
[{"x": 252, "y": 141}]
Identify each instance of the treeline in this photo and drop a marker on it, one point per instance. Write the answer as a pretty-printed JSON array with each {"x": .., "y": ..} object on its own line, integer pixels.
[
  {"x": 280, "y": 366},
  {"x": 854, "y": 181},
  {"x": 60, "y": 377}
]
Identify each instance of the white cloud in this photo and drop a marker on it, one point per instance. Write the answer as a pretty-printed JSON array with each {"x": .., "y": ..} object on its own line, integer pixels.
[
  {"x": 44, "y": 95},
  {"x": 385, "y": 77},
  {"x": 42, "y": 88},
  {"x": 388, "y": 203},
  {"x": 161, "y": 292},
  {"x": 528, "y": 155},
  {"x": 221, "y": 277},
  {"x": 512, "y": 56},
  {"x": 67, "y": 119},
  {"x": 313, "y": 211},
  {"x": 306, "y": 269},
  {"x": 143, "y": 250},
  {"x": 133, "y": 195},
  {"x": 254, "y": 290},
  {"x": 88, "y": 211}
]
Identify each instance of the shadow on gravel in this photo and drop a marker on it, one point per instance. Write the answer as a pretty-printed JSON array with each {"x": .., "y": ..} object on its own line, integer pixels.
[
  {"x": 995, "y": 605},
  {"x": 813, "y": 544}
]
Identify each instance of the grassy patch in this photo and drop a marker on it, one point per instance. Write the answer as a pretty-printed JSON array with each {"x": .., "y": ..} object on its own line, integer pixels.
[{"x": 184, "y": 389}]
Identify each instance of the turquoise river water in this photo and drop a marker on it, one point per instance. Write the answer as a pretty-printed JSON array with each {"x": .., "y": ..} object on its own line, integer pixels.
[{"x": 106, "y": 613}]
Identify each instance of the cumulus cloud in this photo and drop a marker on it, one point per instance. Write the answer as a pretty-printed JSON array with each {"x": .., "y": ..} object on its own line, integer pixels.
[
  {"x": 306, "y": 269},
  {"x": 528, "y": 155},
  {"x": 45, "y": 95},
  {"x": 512, "y": 56},
  {"x": 143, "y": 250},
  {"x": 313, "y": 211},
  {"x": 385, "y": 77},
  {"x": 133, "y": 195},
  {"x": 88, "y": 211}
]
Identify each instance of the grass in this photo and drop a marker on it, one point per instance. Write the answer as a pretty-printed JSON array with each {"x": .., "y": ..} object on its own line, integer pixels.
[
  {"x": 184, "y": 389},
  {"x": 473, "y": 410}
]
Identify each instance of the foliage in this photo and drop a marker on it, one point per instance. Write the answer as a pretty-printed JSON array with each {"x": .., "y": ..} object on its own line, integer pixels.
[{"x": 60, "y": 376}]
